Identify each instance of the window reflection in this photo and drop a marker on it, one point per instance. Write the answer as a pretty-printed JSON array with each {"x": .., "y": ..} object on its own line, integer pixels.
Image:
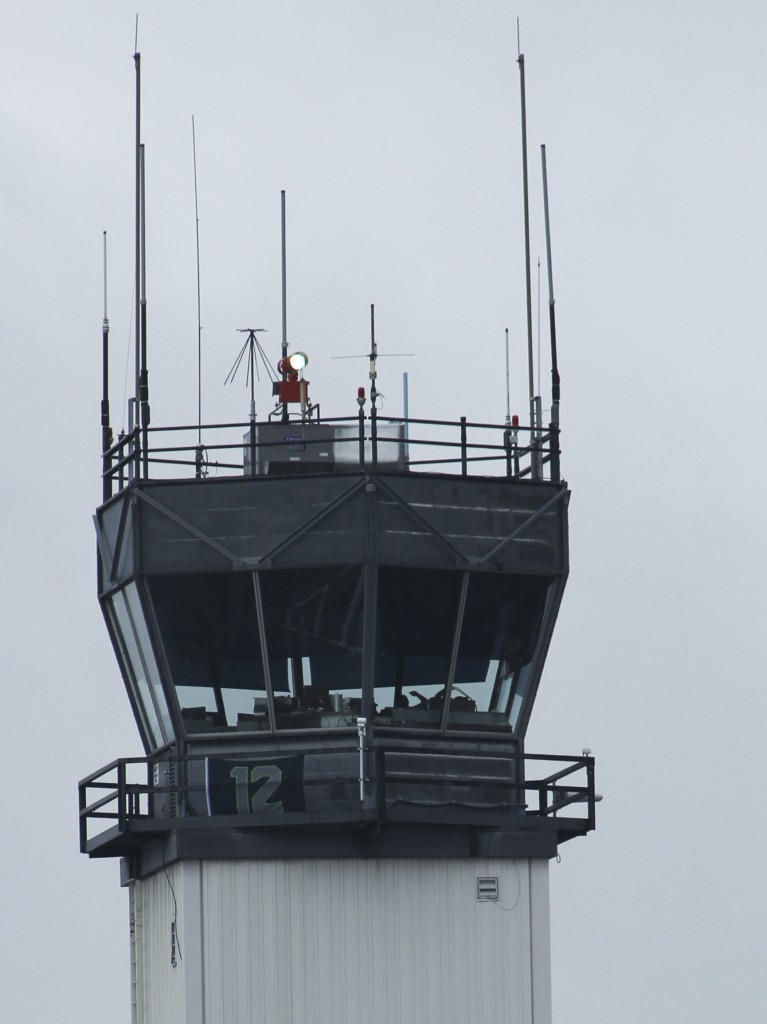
[
  {"x": 417, "y": 618},
  {"x": 501, "y": 623},
  {"x": 209, "y": 630},
  {"x": 127, "y": 618},
  {"x": 313, "y": 620}
]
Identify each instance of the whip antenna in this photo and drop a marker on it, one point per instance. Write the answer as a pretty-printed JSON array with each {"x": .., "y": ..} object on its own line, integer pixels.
[
  {"x": 508, "y": 400},
  {"x": 105, "y": 428},
  {"x": 199, "y": 321},
  {"x": 528, "y": 283},
  {"x": 285, "y": 415},
  {"x": 552, "y": 319}
]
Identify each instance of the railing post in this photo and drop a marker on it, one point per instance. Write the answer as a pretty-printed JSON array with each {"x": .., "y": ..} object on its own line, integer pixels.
[
  {"x": 379, "y": 782},
  {"x": 554, "y": 452},
  {"x": 252, "y": 444},
  {"x": 82, "y": 800},
  {"x": 145, "y": 449},
  {"x": 507, "y": 449},
  {"x": 137, "y": 453},
  {"x": 362, "y": 437},
  {"x": 121, "y": 478},
  {"x": 464, "y": 459},
  {"x": 106, "y": 477},
  {"x": 121, "y": 816},
  {"x": 592, "y": 794}
]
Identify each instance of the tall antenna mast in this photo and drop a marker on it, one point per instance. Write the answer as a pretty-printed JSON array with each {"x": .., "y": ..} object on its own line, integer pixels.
[
  {"x": 137, "y": 62},
  {"x": 373, "y": 374},
  {"x": 199, "y": 321},
  {"x": 142, "y": 377},
  {"x": 508, "y": 399},
  {"x": 284, "y": 300},
  {"x": 106, "y": 431},
  {"x": 552, "y": 330},
  {"x": 552, "y": 319},
  {"x": 528, "y": 284}
]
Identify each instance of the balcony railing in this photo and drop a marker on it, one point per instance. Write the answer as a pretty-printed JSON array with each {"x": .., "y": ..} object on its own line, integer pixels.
[
  {"x": 358, "y": 442},
  {"x": 126, "y": 801}
]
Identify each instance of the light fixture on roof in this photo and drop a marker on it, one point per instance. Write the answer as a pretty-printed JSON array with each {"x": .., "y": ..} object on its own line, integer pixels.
[{"x": 298, "y": 360}]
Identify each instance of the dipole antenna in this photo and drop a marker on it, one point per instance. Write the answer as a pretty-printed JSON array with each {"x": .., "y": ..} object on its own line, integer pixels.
[{"x": 199, "y": 321}]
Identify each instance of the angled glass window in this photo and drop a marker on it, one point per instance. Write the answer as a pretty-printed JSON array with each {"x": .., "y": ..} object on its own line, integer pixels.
[
  {"x": 127, "y": 618},
  {"x": 501, "y": 624},
  {"x": 209, "y": 631},
  {"x": 417, "y": 619},
  {"x": 313, "y": 620}
]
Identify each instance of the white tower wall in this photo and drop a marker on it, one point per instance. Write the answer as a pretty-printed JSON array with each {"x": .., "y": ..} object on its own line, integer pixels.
[{"x": 342, "y": 942}]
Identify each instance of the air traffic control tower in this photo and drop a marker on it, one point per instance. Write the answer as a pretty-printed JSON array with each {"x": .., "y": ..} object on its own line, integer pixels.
[
  {"x": 332, "y": 633},
  {"x": 332, "y": 650}
]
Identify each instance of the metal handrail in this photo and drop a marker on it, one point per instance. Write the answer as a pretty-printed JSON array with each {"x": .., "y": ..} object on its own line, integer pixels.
[
  {"x": 521, "y": 452},
  {"x": 123, "y": 800}
]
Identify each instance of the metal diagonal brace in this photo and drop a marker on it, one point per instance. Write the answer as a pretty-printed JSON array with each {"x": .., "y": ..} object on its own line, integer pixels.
[
  {"x": 313, "y": 520},
  {"x": 427, "y": 526},
  {"x": 235, "y": 559},
  {"x": 111, "y": 559},
  {"x": 559, "y": 496}
]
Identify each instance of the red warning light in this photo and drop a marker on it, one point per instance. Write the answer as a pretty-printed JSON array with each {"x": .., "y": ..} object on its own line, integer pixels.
[{"x": 515, "y": 421}]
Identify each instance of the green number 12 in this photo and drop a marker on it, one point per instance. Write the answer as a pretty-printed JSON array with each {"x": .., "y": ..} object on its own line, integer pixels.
[{"x": 270, "y": 777}]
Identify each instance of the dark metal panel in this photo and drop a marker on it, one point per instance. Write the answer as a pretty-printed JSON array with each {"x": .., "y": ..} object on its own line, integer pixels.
[
  {"x": 395, "y": 842},
  {"x": 418, "y": 520},
  {"x": 116, "y": 543},
  {"x": 246, "y": 518},
  {"x": 337, "y": 537},
  {"x": 477, "y": 518}
]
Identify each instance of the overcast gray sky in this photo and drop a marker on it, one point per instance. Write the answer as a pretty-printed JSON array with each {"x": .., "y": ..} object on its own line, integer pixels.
[{"x": 394, "y": 128}]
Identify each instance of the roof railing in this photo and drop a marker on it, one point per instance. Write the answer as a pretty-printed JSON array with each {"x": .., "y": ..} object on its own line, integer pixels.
[{"x": 363, "y": 443}]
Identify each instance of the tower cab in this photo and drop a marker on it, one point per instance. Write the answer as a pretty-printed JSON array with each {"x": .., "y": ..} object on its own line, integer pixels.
[{"x": 340, "y": 633}]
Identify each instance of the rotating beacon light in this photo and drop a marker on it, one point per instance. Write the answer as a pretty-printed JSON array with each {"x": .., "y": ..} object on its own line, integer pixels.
[{"x": 293, "y": 388}]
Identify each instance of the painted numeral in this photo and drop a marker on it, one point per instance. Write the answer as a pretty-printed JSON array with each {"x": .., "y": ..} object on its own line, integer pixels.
[{"x": 267, "y": 779}]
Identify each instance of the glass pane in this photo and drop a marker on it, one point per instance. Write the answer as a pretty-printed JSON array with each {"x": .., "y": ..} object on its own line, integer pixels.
[
  {"x": 313, "y": 623},
  {"x": 134, "y": 665},
  {"x": 501, "y": 623},
  {"x": 150, "y": 662},
  {"x": 209, "y": 631},
  {"x": 417, "y": 614}
]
